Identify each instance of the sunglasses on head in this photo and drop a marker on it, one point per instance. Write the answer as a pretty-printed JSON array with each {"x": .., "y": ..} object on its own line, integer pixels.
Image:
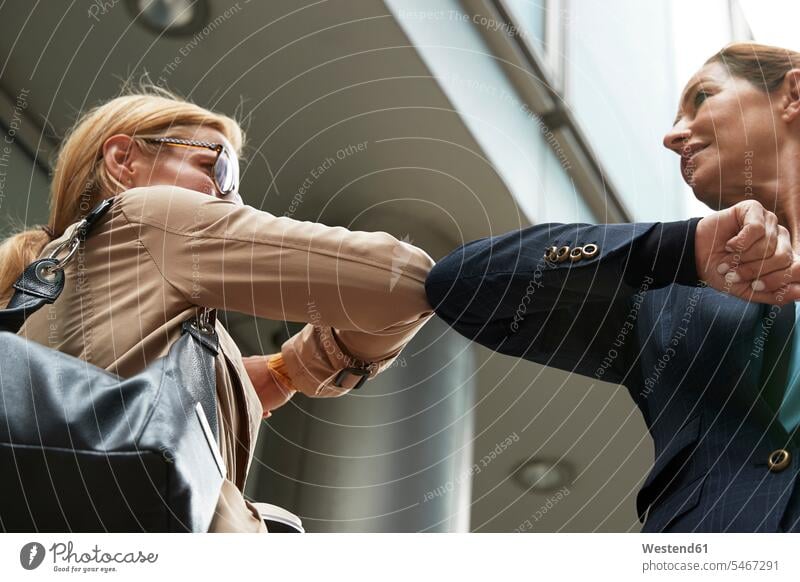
[{"x": 226, "y": 166}]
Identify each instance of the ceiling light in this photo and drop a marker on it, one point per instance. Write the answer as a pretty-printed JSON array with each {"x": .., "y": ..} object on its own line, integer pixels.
[
  {"x": 542, "y": 475},
  {"x": 170, "y": 17}
]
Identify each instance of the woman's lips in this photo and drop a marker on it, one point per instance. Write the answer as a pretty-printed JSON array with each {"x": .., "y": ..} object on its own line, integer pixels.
[
  {"x": 691, "y": 157},
  {"x": 688, "y": 163}
]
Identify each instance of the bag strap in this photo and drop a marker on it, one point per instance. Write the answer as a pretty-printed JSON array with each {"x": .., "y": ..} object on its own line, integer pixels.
[{"x": 43, "y": 280}]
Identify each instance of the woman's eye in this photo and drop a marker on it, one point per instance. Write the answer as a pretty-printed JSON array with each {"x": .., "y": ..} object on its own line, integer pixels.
[{"x": 700, "y": 96}]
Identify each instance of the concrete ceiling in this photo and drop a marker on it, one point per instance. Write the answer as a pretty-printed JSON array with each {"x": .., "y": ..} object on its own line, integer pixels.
[
  {"x": 311, "y": 79},
  {"x": 308, "y": 78}
]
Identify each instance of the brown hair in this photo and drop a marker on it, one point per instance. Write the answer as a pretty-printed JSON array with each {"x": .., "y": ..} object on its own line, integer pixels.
[
  {"x": 763, "y": 65},
  {"x": 81, "y": 180}
]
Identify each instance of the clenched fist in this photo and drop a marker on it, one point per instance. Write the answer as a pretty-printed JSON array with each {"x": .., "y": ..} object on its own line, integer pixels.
[{"x": 742, "y": 250}]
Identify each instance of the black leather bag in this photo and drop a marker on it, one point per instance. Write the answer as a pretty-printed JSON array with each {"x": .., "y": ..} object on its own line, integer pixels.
[{"x": 82, "y": 449}]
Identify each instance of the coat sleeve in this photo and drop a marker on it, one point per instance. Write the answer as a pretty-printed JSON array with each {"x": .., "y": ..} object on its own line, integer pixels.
[
  {"x": 361, "y": 293},
  {"x": 511, "y": 295}
]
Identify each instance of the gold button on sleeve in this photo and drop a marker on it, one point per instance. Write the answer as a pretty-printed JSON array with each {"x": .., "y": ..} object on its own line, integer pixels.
[
  {"x": 589, "y": 250},
  {"x": 576, "y": 254}
]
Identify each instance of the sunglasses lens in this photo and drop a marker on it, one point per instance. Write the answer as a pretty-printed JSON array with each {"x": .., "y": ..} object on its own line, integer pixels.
[{"x": 225, "y": 173}]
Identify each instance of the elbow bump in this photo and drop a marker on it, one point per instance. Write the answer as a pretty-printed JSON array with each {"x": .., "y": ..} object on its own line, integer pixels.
[
  {"x": 409, "y": 261},
  {"x": 452, "y": 300}
]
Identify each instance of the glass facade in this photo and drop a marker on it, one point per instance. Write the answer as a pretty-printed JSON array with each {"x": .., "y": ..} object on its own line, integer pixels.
[
  {"x": 562, "y": 201},
  {"x": 520, "y": 146},
  {"x": 620, "y": 87},
  {"x": 530, "y": 17}
]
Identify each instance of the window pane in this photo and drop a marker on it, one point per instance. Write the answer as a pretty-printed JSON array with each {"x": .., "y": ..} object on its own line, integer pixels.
[
  {"x": 559, "y": 200},
  {"x": 529, "y": 17},
  {"x": 621, "y": 88}
]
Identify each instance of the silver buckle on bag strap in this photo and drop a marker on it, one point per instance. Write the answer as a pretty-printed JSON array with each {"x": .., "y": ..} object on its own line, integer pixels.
[
  {"x": 79, "y": 234},
  {"x": 72, "y": 244},
  {"x": 204, "y": 322}
]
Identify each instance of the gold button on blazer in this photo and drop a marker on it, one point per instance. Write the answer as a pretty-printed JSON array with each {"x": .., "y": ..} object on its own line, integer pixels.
[{"x": 162, "y": 251}]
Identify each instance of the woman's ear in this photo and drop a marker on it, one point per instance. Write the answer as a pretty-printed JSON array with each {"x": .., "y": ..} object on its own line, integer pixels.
[
  {"x": 790, "y": 99},
  {"x": 118, "y": 153}
]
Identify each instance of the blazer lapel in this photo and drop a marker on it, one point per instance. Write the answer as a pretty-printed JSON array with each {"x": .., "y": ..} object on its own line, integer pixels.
[{"x": 777, "y": 355}]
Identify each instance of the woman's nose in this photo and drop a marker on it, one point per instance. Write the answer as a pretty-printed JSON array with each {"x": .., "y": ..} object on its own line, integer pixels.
[{"x": 677, "y": 137}]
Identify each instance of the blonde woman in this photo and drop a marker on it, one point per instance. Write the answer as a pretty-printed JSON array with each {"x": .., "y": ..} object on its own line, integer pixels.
[{"x": 178, "y": 237}]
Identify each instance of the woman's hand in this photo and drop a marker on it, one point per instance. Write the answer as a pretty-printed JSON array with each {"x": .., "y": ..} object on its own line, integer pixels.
[
  {"x": 269, "y": 385},
  {"x": 742, "y": 250}
]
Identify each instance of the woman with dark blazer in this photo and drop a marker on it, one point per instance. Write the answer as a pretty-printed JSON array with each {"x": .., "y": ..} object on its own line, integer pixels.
[{"x": 694, "y": 317}]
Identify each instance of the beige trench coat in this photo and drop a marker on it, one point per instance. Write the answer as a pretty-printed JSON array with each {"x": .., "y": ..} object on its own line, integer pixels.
[{"x": 162, "y": 251}]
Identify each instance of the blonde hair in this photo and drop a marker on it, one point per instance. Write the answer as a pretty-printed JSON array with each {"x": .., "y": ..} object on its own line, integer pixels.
[{"x": 81, "y": 179}]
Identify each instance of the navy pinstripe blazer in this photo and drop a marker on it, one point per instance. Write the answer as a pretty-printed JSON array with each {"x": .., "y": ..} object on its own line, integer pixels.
[{"x": 706, "y": 369}]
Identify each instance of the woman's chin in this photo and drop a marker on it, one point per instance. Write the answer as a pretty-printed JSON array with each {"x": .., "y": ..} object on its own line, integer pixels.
[{"x": 707, "y": 196}]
